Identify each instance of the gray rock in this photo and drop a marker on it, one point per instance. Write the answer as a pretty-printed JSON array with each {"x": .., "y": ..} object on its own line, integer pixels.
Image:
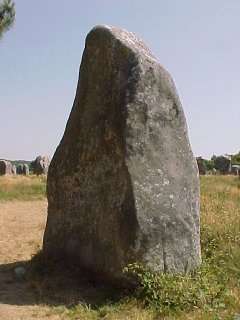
[
  {"x": 20, "y": 169},
  {"x": 5, "y": 167},
  {"x": 123, "y": 184},
  {"x": 25, "y": 169},
  {"x": 201, "y": 166},
  {"x": 14, "y": 169},
  {"x": 40, "y": 165},
  {"x": 20, "y": 273}
]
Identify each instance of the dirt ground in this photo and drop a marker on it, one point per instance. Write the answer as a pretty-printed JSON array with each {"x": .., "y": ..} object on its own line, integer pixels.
[{"x": 21, "y": 231}]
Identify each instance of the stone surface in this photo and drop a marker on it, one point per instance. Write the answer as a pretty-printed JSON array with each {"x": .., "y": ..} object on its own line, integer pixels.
[
  {"x": 123, "y": 184},
  {"x": 20, "y": 273},
  {"x": 25, "y": 169},
  {"x": 5, "y": 167},
  {"x": 20, "y": 169},
  {"x": 14, "y": 169},
  {"x": 40, "y": 165},
  {"x": 201, "y": 166}
]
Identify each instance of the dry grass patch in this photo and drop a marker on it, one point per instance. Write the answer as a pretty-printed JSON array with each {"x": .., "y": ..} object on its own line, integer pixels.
[{"x": 24, "y": 188}]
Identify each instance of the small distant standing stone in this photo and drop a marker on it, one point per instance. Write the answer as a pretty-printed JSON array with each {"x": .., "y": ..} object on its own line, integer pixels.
[
  {"x": 14, "y": 169},
  {"x": 25, "y": 169},
  {"x": 20, "y": 169},
  {"x": 40, "y": 165},
  {"x": 201, "y": 166},
  {"x": 5, "y": 167}
]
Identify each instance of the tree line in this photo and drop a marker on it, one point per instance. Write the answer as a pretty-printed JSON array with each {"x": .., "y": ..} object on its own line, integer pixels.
[{"x": 223, "y": 163}]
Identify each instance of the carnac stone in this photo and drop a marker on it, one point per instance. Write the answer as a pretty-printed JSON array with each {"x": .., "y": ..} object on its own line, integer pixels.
[
  {"x": 20, "y": 169},
  {"x": 123, "y": 184},
  {"x": 40, "y": 165},
  {"x": 201, "y": 166},
  {"x": 14, "y": 169},
  {"x": 25, "y": 169},
  {"x": 5, "y": 167}
]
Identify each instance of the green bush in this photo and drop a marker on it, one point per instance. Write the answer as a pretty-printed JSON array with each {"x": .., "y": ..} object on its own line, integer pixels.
[{"x": 206, "y": 287}]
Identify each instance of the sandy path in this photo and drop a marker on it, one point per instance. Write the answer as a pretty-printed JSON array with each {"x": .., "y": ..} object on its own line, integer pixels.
[{"x": 21, "y": 231}]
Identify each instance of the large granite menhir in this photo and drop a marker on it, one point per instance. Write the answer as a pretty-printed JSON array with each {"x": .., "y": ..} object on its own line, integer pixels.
[{"x": 123, "y": 183}]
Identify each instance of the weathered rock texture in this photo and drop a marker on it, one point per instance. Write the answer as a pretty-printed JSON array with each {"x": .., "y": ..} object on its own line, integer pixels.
[
  {"x": 14, "y": 169},
  {"x": 40, "y": 165},
  {"x": 5, "y": 167},
  {"x": 20, "y": 169},
  {"x": 201, "y": 166},
  {"x": 123, "y": 183},
  {"x": 25, "y": 169}
]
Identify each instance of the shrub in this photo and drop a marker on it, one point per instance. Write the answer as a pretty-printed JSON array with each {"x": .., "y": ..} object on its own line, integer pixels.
[{"x": 171, "y": 293}]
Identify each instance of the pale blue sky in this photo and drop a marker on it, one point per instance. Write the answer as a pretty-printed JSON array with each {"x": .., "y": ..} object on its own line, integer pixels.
[{"x": 196, "y": 41}]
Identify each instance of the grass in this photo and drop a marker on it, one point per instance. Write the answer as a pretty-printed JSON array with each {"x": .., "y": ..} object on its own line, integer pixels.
[
  {"x": 22, "y": 188},
  {"x": 213, "y": 291},
  {"x": 210, "y": 293}
]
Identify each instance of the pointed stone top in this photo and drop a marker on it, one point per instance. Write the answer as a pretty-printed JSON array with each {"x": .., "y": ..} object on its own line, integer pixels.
[{"x": 130, "y": 39}]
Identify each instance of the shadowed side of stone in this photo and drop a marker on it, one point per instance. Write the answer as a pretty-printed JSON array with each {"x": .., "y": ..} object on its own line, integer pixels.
[{"x": 123, "y": 184}]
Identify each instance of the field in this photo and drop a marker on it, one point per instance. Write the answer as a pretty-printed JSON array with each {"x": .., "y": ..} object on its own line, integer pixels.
[
  {"x": 22, "y": 188},
  {"x": 212, "y": 293}
]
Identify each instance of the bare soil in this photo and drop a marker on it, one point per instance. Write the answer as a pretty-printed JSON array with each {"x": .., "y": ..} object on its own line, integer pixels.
[{"x": 21, "y": 231}]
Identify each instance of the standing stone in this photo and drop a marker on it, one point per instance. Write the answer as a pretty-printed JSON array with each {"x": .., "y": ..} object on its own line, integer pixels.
[
  {"x": 201, "y": 166},
  {"x": 5, "y": 167},
  {"x": 25, "y": 169},
  {"x": 20, "y": 169},
  {"x": 14, "y": 169},
  {"x": 40, "y": 165},
  {"x": 123, "y": 184}
]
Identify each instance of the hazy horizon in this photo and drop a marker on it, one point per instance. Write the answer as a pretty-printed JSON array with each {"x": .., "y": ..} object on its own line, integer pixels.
[{"x": 40, "y": 58}]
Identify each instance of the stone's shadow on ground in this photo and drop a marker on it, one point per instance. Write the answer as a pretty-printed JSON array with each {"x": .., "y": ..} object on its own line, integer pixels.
[
  {"x": 13, "y": 291},
  {"x": 59, "y": 287}
]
